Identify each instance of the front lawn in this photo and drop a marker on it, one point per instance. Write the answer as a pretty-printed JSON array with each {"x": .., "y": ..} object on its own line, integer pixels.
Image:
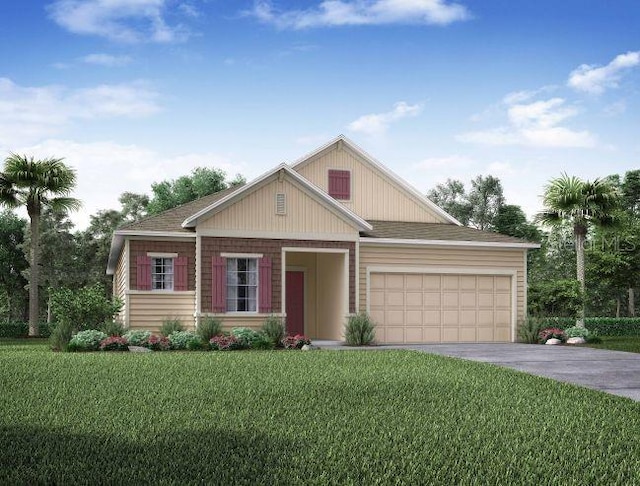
[
  {"x": 320, "y": 417},
  {"x": 619, "y": 343}
]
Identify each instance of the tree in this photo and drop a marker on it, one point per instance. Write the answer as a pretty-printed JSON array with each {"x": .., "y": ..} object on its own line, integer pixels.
[
  {"x": 13, "y": 293},
  {"x": 485, "y": 200},
  {"x": 202, "y": 182},
  {"x": 581, "y": 204},
  {"x": 36, "y": 184},
  {"x": 133, "y": 206},
  {"x": 451, "y": 196},
  {"x": 511, "y": 220}
]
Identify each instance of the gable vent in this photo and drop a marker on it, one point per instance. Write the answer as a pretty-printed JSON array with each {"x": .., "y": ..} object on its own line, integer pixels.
[{"x": 281, "y": 203}]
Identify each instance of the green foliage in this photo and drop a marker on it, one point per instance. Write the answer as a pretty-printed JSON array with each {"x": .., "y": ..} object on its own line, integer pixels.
[
  {"x": 169, "y": 326},
  {"x": 202, "y": 182},
  {"x": 236, "y": 418},
  {"x": 603, "y": 326},
  {"x": 85, "y": 308},
  {"x": 556, "y": 298},
  {"x": 88, "y": 340},
  {"x": 510, "y": 220},
  {"x": 18, "y": 329},
  {"x": 359, "y": 330},
  {"x": 14, "y": 297},
  {"x": 61, "y": 335},
  {"x": 576, "y": 331},
  {"x": 181, "y": 340},
  {"x": 137, "y": 337},
  {"x": 273, "y": 328},
  {"x": 208, "y": 328},
  {"x": 530, "y": 329},
  {"x": 112, "y": 327},
  {"x": 250, "y": 338}
]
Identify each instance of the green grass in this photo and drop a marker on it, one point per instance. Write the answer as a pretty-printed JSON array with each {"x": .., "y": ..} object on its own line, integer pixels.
[
  {"x": 619, "y": 343},
  {"x": 290, "y": 417}
]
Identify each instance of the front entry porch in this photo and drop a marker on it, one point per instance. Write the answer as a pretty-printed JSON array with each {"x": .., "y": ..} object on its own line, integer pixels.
[{"x": 315, "y": 296}]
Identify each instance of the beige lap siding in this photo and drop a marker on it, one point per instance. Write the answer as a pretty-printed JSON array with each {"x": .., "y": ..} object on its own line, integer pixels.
[
  {"x": 148, "y": 310},
  {"x": 482, "y": 259},
  {"x": 272, "y": 249}
]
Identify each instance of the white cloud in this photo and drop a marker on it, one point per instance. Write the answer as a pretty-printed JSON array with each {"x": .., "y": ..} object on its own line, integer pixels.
[
  {"x": 500, "y": 169},
  {"x": 593, "y": 79},
  {"x": 448, "y": 162},
  {"x": 331, "y": 13},
  {"x": 107, "y": 60},
  {"x": 114, "y": 168},
  {"x": 118, "y": 20},
  {"x": 378, "y": 123},
  {"x": 534, "y": 124},
  {"x": 28, "y": 114}
]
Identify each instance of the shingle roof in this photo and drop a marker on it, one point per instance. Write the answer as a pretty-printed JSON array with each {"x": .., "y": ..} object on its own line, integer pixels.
[
  {"x": 434, "y": 231},
  {"x": 171, "y": 220}
]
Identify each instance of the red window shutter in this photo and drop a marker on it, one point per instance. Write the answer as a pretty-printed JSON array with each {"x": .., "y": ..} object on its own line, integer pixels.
[
  {"x": 218, "y": 284},
  {"x": 340, "y": 184},
  {"x": 181, "y": 273},
  {"x": 143, "y": 272},
  {"x": 264, "y": 283}
]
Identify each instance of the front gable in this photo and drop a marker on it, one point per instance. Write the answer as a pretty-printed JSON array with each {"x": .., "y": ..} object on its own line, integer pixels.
[
  {"x": 281, "y": 206},
  {"x": 371, "y": 190}
]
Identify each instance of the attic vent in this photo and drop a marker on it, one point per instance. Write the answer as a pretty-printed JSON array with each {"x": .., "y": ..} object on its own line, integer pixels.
[{"x": 281, "y": 203}]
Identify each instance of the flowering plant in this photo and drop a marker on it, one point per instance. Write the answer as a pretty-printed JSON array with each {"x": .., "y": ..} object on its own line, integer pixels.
[
  {"x": 551, "y": 332},
  {"x": 295, "y": 342},
  {"x": 224, "y": 343},
  {"x": 114, "y": 343},
  {"x": 157, "y": 343}
]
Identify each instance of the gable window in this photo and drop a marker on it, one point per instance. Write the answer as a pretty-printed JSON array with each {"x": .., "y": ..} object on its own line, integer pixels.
[
  {"x": 340, "y": 184},
  {"x": 161, "y": 273},
  {"x": 242, "y": 285}
]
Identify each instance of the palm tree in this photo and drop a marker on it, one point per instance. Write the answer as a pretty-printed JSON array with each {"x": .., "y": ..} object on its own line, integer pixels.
[
  {"x": 35, "y": 184},
  {"x": 581, "y": 204}
]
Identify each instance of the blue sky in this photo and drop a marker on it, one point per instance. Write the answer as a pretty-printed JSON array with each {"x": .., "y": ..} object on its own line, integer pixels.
[{"x": 136, "y": 91}]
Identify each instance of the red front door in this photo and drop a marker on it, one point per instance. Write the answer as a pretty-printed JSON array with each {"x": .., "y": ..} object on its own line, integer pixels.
[{"x": 295, "y": 302}]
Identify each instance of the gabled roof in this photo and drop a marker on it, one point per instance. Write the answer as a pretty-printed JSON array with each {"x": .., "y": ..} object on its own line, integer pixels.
[
  {"x": 282, "y": 170},
  {"x": 434, "y": 233},
  {"x": 372, "y": 161}
]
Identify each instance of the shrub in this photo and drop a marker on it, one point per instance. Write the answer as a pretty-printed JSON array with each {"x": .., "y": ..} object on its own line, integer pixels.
[
  {"x": 184, "y": 340},
  {"x": 157, "y": 343},
  {"x": 114, "y": 343},
  {"x": 111, "y": 327},
  {"x": 169, "y": 326},
  {"x": 604, "y": 326},
  {"x": 137, "y": 337},
  {"x": 82, "y": 309},
  {"x": 88, "y": 340},
  {"x": 588, "y": 335},
  {"x": 209, "y": 327},
  {"x": 18, "y": 329},
  {"x": 295, "y": 342},
  {"x": 530, "y": 329},
  {"x": 556, "y": 298},
  {"x": 248, "y": 338},
  {"x": 359, "y": 330},
  {"x": 551, "y": 332},
  {"x": 273, "y": 329},
  {"x": 61, "y": 335},
  {"x": 223, "y": 343}
]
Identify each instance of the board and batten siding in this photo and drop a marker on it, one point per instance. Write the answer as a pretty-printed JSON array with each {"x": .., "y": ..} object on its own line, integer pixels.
[
  {"x": 373, "y": 195},
  {"x": 482, "y": 259},
  {"x": 148, "y": 310},
  {"x": 257, "y": 212},
  {"x": 120, "y": 282}
]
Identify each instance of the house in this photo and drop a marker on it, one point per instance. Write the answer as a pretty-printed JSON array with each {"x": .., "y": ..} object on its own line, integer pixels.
[{"x": 329, "y": 235}]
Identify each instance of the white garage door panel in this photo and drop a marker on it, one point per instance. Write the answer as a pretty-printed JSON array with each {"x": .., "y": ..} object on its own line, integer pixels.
[{"x": 422, "y": 308}]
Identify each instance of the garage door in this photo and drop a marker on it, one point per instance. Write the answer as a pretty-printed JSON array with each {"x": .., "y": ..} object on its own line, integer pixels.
[{"x": 432, "y": 308}]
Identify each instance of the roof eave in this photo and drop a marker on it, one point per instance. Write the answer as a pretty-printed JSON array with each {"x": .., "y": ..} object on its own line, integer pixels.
[{"x": 463, "y": 243}]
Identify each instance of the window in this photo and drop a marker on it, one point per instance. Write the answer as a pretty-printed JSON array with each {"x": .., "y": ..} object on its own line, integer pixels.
[
  {"x": 161, "y": 273},
  {"x": 242, "y": 284},
  {"x": 340, "y": 184}
]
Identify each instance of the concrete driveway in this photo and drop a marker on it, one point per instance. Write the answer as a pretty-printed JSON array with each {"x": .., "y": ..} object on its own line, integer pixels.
[{"x": 614, "y": 372}]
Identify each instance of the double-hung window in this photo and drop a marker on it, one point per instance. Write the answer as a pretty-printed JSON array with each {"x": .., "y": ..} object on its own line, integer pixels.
[
  {"x": 242, "y": 284},
  {"x": 161, "y": 273}
]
